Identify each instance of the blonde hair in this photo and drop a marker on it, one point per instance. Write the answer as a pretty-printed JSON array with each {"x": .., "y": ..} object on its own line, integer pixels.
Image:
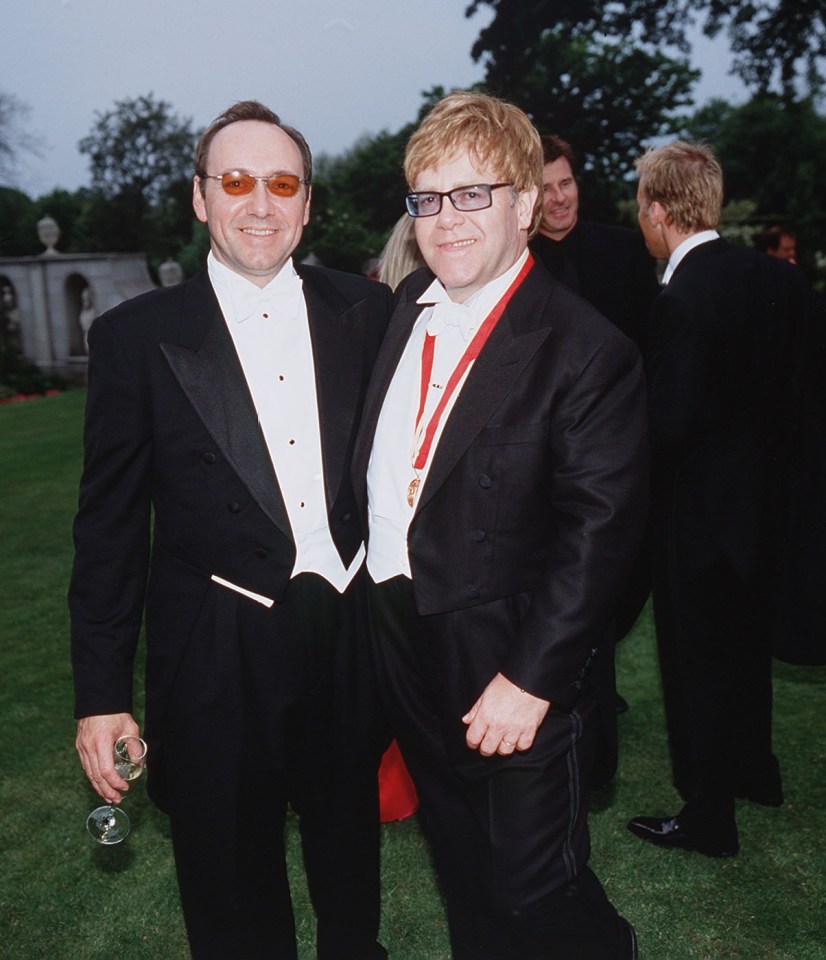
[
  {"x": 687, "y": 181},
  {"x": 401, "y": 254},
  {"x": 494, "y": 133}
]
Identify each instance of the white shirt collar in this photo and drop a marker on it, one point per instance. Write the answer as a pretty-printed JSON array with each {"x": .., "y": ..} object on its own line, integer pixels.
[
  {"x": 677, "y": 254},
  {"x": 468, "y": 315},
  {"x": 282, "y": 293}
]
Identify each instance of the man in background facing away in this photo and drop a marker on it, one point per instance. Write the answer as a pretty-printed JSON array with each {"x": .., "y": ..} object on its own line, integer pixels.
[{"x": 725, "y": 332}]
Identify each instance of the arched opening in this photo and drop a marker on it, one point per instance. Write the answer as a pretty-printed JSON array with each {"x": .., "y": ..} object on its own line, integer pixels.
[
  {"x": 80, "y": 311},
  {"x": 9, "y": 315}
]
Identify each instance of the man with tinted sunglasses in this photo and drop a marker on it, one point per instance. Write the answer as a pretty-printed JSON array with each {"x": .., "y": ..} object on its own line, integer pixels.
[
  {"x": 226, "y": 407},
  {"x": 502, "y": 454}
]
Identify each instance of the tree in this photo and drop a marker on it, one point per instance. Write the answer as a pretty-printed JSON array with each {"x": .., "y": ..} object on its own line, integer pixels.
[
  {"x": 601, "y": 90},
  {"x": 140, "y": 148},
  {"x": 14, "y": 138},
  {"x": 358, "y": 196},
  {"x": 18, "y": 231},
  {"x": 777, "y": 44},
  {"x": 140, "y": 155}
]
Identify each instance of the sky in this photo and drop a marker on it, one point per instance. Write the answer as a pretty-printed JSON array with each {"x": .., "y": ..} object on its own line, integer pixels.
[{"x": 336, "y": 69}]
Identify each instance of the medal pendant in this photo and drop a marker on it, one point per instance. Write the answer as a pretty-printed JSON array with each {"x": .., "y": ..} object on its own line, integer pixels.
[{"x": 412, "y": 487}]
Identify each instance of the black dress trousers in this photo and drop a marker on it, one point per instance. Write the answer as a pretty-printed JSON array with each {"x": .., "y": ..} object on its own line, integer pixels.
[{"x": 508, "y": 834}]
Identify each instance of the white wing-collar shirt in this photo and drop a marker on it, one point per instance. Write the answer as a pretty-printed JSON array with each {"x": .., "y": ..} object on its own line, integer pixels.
[{"x": 271, "y": 333}]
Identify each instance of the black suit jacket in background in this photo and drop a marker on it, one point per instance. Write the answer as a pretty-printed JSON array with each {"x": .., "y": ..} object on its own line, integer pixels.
[
  {"x": 723, "y": 342},
  {"x": 737, "y": 411},
  {"x": 608, "y": 266}
]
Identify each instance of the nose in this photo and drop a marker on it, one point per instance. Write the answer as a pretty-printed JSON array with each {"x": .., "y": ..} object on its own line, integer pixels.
[
  {"x": 448, "y": 216},
  {"x": 260, "y": 202}
]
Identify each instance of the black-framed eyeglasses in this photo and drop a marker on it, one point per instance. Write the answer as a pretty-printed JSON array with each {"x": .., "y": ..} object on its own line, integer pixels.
[
  {"x": 239, "y": 184},
  {"x": 474, "y": 197}
]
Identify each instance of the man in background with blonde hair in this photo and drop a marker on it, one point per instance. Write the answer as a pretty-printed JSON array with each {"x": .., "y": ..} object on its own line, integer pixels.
[
  {"x": 720, "y": 362},
  {"x": 503, "y": 452}
]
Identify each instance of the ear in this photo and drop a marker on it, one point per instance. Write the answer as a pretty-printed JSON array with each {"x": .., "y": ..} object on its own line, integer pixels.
[
  {"x": 656, "y": 214},
  {"x": 307, "y": 205},
  {"x": 526, "y": 201},
  {"x": 198, "y": 204}
]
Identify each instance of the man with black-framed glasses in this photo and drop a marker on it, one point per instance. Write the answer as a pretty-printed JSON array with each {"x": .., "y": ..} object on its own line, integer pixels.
[
  {"x": 502, "y": 464},
  {"x": 227, "y": 406}
]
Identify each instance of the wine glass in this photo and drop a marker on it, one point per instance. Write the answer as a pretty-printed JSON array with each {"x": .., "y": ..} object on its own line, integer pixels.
[{"x": 109, "y": 824}]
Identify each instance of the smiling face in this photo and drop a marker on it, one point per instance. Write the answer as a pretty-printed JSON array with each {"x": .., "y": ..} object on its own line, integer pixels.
[
  {"x": 468, "y": 250},
  {"x": 560, "y": 199},
  {"x": 254, "y": 234}
]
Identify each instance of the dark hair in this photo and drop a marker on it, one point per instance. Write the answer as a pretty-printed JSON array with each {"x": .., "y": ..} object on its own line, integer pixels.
[
  {"x": 249, "y": 110},
  {"x": 554, "y": 147},
  {"x": 769, "y": 239}
]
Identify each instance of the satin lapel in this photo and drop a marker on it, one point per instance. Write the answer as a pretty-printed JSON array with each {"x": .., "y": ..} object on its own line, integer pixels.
[
  {"x": 210, "y": 375},
  {"x": 337, "y": 330},
  {"x": 510, "y": 347}
]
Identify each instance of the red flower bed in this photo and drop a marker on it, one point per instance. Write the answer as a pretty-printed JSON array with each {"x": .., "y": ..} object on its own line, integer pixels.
[{"x": 20, "y": 397}]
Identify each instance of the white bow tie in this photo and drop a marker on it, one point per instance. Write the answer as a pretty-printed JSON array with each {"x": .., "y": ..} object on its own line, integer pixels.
[
  {"x": 284, "y": 299},
  {"x": 446, "y": 313}
]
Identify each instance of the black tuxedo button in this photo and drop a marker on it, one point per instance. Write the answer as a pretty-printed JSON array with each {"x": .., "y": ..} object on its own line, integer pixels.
[
  {"x": 347, "y": 518},
  {"x": 485, "y": 481},
  {"x": 261, "y": 553},
  {"x": 234, "y": 507},
  {"x": 478, "y": 535},
  {"x": 472, "y": 593},
  {"x": 209, "y": 458}
]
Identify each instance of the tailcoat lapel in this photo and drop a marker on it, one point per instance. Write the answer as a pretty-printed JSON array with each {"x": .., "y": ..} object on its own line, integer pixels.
[{"x": 206, "y": 365}]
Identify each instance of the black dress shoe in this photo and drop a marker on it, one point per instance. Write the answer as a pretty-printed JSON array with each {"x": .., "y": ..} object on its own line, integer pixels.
[{"x": 671, "y": 832}]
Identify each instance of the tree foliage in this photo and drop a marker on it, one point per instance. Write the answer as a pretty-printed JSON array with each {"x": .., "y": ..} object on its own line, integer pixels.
[
  {"x": 603, "y": 91},
  {"x": 777, "y": 44},
  {"x": 140, "y": 148},
  {"x": 140, "y": 157},
  {"x": 358, "y": 196},
  {"x": 15, "y": 139}
]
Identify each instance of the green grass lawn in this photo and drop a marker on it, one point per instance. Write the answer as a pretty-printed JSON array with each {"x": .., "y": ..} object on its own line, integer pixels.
[{"x": 64, "y": 898}]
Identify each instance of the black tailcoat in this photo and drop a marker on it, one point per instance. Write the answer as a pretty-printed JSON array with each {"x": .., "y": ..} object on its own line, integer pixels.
[
  {"x": 724, "y": 337},
  {"x": 521, "y": 540},
  {"x": 172, "y": 437}
]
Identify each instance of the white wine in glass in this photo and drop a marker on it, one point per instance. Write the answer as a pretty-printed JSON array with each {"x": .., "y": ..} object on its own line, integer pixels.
[{"x": 109, "y": 824}]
